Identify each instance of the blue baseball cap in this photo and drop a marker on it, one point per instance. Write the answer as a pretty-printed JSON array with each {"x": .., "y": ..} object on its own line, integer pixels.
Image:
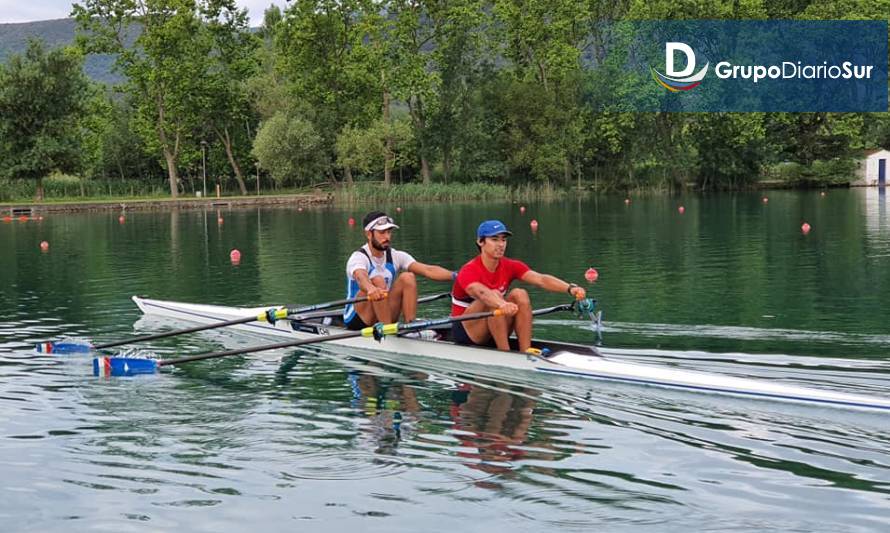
[{"x": 490, "y": 228}]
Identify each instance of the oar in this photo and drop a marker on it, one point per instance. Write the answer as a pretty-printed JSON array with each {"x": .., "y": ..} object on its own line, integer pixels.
[
  {"x": 270, "y": 315},
  {"x": 129, "y": 366}
]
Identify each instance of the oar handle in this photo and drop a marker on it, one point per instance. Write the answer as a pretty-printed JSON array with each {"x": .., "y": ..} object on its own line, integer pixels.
[{"x": 392, "y": 329}]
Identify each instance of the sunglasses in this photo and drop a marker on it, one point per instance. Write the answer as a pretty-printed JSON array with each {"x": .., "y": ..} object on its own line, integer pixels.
[{"x": 381, "y": 221}]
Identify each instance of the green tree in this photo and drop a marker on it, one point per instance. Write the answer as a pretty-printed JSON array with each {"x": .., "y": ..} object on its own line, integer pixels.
[
  {"x": 162, "y": 48},
  {"x": 322, "y": 57},
  {"x": 227, "y": 110},
  {"x": 364, "y": 149},
  {"x": 290, "y": 149},
  {"x": 42, "y": 95}
]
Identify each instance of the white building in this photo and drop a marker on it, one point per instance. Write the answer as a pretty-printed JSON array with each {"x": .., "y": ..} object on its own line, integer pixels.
[{"x": 873, "y": 169}]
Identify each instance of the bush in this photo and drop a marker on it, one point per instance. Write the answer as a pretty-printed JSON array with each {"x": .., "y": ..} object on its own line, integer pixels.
[
  {"x": 829, "y": 173},
  {"x": 67, "y": 187}
]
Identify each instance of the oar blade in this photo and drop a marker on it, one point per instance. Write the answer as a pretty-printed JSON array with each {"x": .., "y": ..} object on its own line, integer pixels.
[
  {"x": 64, "y": 347},
  {"x": 123, "y": 366}
]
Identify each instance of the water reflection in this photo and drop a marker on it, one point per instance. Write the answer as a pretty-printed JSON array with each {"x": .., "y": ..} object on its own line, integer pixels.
[{"x": 495, "y": 423}]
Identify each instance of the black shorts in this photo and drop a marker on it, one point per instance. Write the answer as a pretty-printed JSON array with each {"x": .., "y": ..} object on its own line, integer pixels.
[
  {"x": 356, "y": 323},
  {"x": 459, "y": 336}
]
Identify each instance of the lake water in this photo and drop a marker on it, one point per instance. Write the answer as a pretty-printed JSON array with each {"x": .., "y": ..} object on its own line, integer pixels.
[{"x": 318, "y": 438}]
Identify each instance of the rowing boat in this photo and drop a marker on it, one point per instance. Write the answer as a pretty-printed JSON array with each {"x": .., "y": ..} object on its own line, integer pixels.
[{"x": 557, "y": 358}]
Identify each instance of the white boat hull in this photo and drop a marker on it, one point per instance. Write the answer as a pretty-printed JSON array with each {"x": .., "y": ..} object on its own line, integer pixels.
[{"x": 565, "y": 360}]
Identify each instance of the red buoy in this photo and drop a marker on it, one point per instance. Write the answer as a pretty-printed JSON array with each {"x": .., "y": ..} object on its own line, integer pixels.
[
  {"x": 534, "y": 225},
  {"x": 591, "y": 275},
  {"x": 681, "y": 209},
  {"x": 522, "y": 209},
  {"x": 219, "y": 221},
  {"x": 44, "y": 246},
  {"x": 398, "y": 210},
  {"x": 235, "y": 256},
  {"x": 23, "y": 218},
  {"x": 7, "y": 219},
  {"x": 121, "y": 219},
  {"x": 627, "y": 201},
  {"x": 351, "y": 221},
  {"x": 805, "y": 228},
  {"x": 765, "y": 199}
]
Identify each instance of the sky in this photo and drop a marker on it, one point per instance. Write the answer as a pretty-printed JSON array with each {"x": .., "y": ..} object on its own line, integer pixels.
[{"x": 18, "y": 11}]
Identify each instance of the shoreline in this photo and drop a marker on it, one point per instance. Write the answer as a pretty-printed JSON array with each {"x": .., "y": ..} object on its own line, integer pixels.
[{"x": 288, "y": 200}]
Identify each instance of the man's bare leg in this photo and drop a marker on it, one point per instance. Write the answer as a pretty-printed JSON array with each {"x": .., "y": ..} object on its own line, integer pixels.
[
  {"x": 477, "y": 330},
  {"x": 373, "y": 312},
  {"x": 500, "y": 328},
  {"x": 403, "y": 296},
  {"x": 522, "y": 321}
]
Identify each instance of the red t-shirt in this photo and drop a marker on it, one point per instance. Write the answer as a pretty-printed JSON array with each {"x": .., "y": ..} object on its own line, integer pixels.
[{"x": 474, "y": 271}]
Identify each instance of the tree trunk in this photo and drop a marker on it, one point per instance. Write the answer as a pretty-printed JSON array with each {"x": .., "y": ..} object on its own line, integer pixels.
[
  {"x": 169, "y": 156},
  {"x": 227, "y": 142},
  {"x": 446, "y": 162},
  {"x": 38, "y": 194},
  {"x": 415, "y": 107},
  {"x": 347, "y": 171},
  {"x": 388, "y": 150},
  {"x": 567, "y": 172},
  {"x": 172, "y": 174}
]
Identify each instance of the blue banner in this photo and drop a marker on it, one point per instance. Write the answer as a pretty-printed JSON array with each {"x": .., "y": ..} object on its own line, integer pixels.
[{"x": 721, "y": 65}]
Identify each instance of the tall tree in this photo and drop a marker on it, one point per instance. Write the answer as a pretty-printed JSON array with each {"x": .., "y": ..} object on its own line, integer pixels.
[
  {"x": 231, "y": 64},
  {"x": 42, "y": 95},
  {"x": 320, "y": 50},
  {"x": 162, "y": 49}
]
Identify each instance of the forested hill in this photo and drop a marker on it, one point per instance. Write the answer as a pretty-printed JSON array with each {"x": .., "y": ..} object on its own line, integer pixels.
[{"x": 54, "y": 33}]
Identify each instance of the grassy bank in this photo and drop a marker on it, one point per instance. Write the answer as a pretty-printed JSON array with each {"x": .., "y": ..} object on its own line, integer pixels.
[
  {"x": 62, "y": 188},
  {"x": 438, "y": 192}
]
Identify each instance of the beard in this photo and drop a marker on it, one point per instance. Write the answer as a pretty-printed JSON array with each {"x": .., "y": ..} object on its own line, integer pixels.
[{"x": 377, "y": 246}]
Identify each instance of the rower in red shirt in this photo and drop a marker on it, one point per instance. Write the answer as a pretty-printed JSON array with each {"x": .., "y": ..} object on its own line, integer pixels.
[{"x": 483, "y": 284}]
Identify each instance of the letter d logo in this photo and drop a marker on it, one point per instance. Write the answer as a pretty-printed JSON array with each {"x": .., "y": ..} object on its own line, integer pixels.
[
  {"x": 669, "y": 52},
  {"x": 679, "y": 80}
]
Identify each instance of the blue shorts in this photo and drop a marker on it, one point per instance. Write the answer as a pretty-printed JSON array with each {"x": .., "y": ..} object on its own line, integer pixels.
[
  {"x": 459, "y": 336},
  {"x": 356, "y": 323}
]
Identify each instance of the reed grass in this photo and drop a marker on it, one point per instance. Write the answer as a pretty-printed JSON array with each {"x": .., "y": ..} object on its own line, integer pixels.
[{"x": 450, "y": 192}]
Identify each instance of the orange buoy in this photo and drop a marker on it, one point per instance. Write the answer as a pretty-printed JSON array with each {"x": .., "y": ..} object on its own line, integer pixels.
[
  {"x": 23, "y": 218},
  {"x": 219, "y": 221},
  {"x": 627, "y": 201},
  {"x": 7, "y": 219},
  {"x": 591, "y": 275},
  {"x": 398, "y": 210},
  {"x": 765, "y": 199}
]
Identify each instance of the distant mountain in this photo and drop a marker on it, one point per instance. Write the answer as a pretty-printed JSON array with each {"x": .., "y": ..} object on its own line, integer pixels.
[{"x": 54, "y": 33}]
